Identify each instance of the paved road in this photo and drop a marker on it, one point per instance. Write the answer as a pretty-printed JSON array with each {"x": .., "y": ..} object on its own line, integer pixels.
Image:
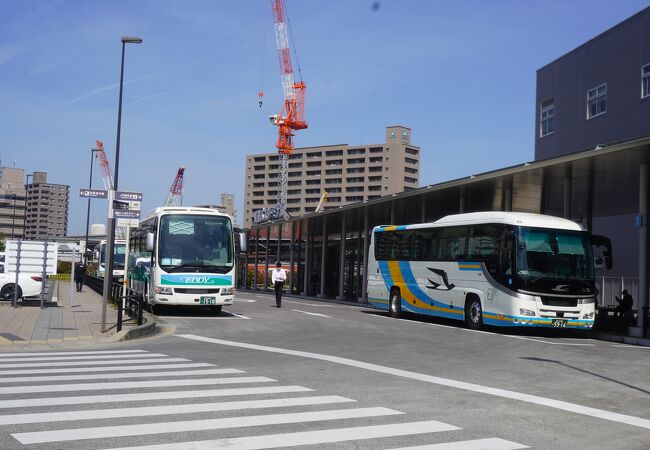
[{"x": 329, "y": 376}]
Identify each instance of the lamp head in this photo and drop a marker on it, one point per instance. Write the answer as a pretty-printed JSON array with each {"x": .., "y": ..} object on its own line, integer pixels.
[{"x": 131, "y": 40}]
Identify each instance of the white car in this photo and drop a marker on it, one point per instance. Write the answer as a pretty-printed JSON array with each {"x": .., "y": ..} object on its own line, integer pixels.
[{"x": 29, "y": 285}]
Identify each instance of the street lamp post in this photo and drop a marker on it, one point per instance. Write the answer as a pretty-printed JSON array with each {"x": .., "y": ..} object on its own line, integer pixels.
[
  {"x": 90, "y": 186},
  {"x": 25, "y": 217},
  {"x": 108, "y": 273}
]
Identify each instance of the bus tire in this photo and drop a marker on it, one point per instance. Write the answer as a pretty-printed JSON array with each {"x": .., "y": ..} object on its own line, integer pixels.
[
  {"x": 473, "y": 312},
  {"x": 216, "y": 309},
  {"x": 395, "y": 304}
]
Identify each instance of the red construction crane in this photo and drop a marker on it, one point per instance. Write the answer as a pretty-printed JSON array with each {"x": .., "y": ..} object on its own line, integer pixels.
[
  {"x": 106, "y": 169},
  {"x": 175, "y": 197},
  {"x": 291, "y": 116}
]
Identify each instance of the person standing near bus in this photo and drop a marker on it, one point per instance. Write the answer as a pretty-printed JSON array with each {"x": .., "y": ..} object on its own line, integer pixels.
[{"x": 278, "y": 277}]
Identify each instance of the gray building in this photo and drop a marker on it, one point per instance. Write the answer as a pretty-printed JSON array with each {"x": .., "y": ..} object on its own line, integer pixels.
[
  {"x": 47, "y": 208},
  {"x": 12, "y": 202},
  {"x": 347, "y": 173},
  {"x": 598, "y": 93}
]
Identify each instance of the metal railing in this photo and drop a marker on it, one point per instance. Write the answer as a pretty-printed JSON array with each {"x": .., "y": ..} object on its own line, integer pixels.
[
  {"x": 132, "y": 303},
  {"x": 611, "y": 287}
]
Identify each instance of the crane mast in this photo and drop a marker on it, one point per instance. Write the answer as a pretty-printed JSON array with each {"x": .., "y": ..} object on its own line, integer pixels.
[
  {"x": 107, "y": 178},
  {"x": 175, "y": 196},
  {"x": 291, "y": 116}
]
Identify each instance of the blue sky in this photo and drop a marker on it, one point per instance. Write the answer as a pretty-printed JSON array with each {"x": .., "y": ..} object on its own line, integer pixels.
[{"x": 460, "y": 74}]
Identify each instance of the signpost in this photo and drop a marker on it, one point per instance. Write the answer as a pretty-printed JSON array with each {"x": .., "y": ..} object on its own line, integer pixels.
[{"x": 93, "y": 193}]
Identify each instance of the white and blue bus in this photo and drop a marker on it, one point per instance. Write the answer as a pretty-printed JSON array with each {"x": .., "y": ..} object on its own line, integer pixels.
[
  {"x": 119, "y": 254},
  {"x": 492, "y": 268},
  {"x": 191, "y": 253}
]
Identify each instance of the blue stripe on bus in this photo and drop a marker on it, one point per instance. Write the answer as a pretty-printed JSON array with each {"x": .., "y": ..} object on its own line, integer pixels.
[
  {"x": 412, "y": 284},
  {"x": 385, "y": 274}
]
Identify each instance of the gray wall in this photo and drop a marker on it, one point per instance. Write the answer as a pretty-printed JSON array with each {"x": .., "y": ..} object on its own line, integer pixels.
[{"x": 615, "y": 57}]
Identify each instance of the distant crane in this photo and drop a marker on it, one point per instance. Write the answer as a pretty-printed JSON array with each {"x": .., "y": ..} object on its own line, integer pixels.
[
  {"x": 291, "y": 116},
  {"x": 106, "y": 168},
  {"x": 175, "y": 196}
]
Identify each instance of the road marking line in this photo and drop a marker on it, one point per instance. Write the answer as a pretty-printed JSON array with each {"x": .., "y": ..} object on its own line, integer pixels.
[
  {"x": 106, "y": 369},
  {"x": 94, "y": 357},
  {"x": 631, "y": 346},
  {"x": 245, "y": 300},
  {"x": 238, "y": 316},
  {"x": 547, "y": 342},
  {"x": 112, "y": 376},
  {"x": 316, "y": 305},
  {"x": 528, "y": 398},
  {"x": 75, "y": 434},
  {"x": 63, "y": 416},
  {"x": 477, "y": 444},
  {"x": 92, "y": 363},
  {"x": 147, "y": 396},
  {"x": 98, "y": 352},
  {"x": 131, "y": 385},
  {"x": 311, "y": 313},
  {"x": 309, "y": 437},
  {"x": 482, "y": 331}
]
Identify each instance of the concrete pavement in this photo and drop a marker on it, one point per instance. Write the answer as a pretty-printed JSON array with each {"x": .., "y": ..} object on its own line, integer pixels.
[{"x": 66, "y": 320}]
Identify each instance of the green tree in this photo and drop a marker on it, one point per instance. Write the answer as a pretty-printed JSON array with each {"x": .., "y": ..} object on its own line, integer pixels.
[{"x": 2, "y": 241}]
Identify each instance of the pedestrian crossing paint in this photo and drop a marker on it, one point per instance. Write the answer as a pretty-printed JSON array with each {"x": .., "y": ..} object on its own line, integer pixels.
[
  {"x": 113, "y": 376},
  {"x": 106, "y": 369},
  {"x": 152, "y": 373},
  {"x": 309, "y": 437},
  {"x": 90, "y": 363},
  {"x": 94, "y": 352},
  {"x": 75, "y": 434},
  {"x": 63, "y": 416},
  {"x": 131, "y": 385}
]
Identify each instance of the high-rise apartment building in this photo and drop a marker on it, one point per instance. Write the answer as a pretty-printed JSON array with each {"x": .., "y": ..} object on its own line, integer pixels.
[
  {"x": 12, "y": 202},
  {"x": 47, "y": 208},
  {"x": 228, "y": 203},
  {"x": 347, "y": 173}
]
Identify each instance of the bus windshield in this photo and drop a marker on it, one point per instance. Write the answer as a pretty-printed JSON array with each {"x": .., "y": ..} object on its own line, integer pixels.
[
  {"x": 195, "y": 243},
  {"x": 554, "y": 254},
  {"x": 119, "y": 252}
]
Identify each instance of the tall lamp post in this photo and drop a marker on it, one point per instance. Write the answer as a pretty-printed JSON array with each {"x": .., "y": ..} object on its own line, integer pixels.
[
  {"x": 108, "y": 273},
  {"x": 25, "y": 217},
  {"x": 90, "y": 186}
]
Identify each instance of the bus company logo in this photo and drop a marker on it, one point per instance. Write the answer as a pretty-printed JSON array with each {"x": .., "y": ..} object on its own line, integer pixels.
[
  {"x": 444, "y": 284},
  {"x": 561, "y": 288},
  {"x": 198, "y": 280}
]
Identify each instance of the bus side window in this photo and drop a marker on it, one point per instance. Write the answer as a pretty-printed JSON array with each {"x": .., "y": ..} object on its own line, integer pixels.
[{"x": 452, "y": 244}]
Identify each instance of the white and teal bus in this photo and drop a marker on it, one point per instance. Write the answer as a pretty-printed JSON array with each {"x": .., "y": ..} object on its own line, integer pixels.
[
  {"x": 191, "y": 253},
  {"x": 119, "y": 254},
  {"x": 492, "y": 268}
]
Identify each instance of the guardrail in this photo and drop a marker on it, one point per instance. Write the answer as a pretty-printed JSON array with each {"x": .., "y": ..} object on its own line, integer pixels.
[{"x": 132, "y": 303}]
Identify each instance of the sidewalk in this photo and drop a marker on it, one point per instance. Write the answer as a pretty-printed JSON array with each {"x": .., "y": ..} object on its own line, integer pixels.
[{"x": 66, "y": 321}]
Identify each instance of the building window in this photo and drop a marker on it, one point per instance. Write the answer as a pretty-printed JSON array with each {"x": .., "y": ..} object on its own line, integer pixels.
[
  {"x": 597, "y": 101},
  {"x": 547, "y": 117},
  {"x": 645, "y": 81}
]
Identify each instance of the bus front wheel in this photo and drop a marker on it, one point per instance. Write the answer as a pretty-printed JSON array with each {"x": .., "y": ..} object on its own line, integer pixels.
[
  {"x": 395, "y": 304},
  {"x": 473, "y": 312}
]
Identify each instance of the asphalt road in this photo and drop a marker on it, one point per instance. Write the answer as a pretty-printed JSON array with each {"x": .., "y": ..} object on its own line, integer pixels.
[{"x": 331, "y": 376}]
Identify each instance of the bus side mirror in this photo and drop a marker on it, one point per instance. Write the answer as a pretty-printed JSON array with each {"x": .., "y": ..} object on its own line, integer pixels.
[
  {"x": 242, "y": 242},
  {"x": 150, "y": 242},
  {"x": 603, "y": 241},
  {"x": 96, "y": 253}
]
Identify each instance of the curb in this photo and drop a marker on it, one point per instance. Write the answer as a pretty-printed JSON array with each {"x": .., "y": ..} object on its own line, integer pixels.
[
  {"x": 644, "y": 342},
  {"x": 148, "y": 327}
]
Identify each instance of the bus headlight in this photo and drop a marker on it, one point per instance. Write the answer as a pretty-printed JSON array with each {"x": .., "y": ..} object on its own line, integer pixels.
[
  {"x": 163, "y": 290},
  {"x": 228, "y": 291},
  {"x": 588, "y": 316},
  {"x": 526, "y": 312}
]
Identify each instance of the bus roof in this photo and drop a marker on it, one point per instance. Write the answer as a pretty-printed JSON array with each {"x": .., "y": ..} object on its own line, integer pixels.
[
  {"x": 509, "y": 218},
  {"x": 183, "y": 210}
]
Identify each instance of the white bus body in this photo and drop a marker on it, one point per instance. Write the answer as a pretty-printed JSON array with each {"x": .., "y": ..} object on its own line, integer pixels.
[
  {"x": 119, "y": 257},
  {"x": 493, "y": 268},
  {"x": 192, "y": 257}
]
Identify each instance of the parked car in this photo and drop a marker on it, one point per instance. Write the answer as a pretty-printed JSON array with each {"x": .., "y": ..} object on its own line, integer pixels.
[{"x": 29, "y": 285}]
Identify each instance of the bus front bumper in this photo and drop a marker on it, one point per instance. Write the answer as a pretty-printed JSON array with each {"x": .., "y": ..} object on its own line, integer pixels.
[{"x": 172, "y": 296}]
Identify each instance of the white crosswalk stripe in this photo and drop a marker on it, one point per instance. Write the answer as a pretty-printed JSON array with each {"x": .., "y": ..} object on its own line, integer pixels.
[{"x": 179, "y": 413}]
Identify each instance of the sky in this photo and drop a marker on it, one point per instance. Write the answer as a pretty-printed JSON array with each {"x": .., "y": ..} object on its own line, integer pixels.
[{"x": 460, "y": 74}]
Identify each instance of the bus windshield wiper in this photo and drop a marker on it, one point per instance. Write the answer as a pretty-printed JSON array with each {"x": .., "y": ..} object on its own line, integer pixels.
[{"x": 202, "y": 267}]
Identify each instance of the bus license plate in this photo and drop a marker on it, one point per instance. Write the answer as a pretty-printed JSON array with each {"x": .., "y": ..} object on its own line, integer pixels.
[
  {"x": 559, "y": 323},
  {"x": 207, "y": 301}
]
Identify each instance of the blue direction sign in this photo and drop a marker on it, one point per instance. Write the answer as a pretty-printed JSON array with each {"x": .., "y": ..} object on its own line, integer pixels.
[
  {"x": 93, "y": 193},
  {"x": 128, "y": 196}
]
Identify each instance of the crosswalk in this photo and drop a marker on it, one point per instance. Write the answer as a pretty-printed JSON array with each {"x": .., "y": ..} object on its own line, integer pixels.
[{"x": 141, "y": 400}]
